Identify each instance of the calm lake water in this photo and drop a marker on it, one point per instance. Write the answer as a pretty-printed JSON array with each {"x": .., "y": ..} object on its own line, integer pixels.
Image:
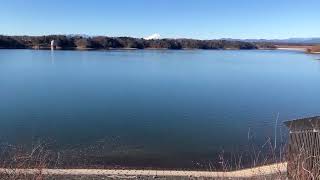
[{"x": 153, "y": 108}]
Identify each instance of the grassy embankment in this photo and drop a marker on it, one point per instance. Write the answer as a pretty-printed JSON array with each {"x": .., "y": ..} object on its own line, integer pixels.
[
  {"x": 314, "y": 49},
  {"x": 43, "y": 163}
]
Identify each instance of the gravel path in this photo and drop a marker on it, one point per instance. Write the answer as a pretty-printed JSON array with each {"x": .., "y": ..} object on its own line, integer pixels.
[{"x": 268, "y": 170}]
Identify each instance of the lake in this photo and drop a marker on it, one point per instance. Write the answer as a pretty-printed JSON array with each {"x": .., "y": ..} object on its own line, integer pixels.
[{"x": 153, "y": 108}]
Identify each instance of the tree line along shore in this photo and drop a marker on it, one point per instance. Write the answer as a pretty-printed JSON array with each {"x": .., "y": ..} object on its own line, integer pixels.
[{"x": 104, "y": 42}]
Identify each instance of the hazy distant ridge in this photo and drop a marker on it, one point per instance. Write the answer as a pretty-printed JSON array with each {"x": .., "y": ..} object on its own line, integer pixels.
[{"x": 315, "y": 40}]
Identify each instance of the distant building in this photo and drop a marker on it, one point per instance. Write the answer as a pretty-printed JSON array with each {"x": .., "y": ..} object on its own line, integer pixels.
[{"x": 53, "y": 45}]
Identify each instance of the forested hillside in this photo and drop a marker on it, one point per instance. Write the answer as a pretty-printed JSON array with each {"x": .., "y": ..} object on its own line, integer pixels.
[{"x": 103, "y": 42}]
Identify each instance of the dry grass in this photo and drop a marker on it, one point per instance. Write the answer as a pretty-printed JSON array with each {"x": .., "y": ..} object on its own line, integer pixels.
[
  {"x": 40, "y": 158},
  {"x": 303, "y": 165},
  {"x": 15, "y": 157}
]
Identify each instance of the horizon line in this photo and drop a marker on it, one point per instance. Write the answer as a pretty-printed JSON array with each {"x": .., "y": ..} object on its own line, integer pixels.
[{"x": 223, "y": 38}]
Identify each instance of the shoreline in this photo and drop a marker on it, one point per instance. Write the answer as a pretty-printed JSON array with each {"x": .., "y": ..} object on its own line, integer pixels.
[
  {"x": 131, "y": 49},
  {"x": 306, "y": 49},
  {"x": 293, "y": 49},
  {"x": 272, "y": 169},
  {"x": 303, "y": 49}
]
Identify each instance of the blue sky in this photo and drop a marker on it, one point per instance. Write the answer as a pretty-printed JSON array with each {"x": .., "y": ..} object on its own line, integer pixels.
[{"x": 201, "y": 19}]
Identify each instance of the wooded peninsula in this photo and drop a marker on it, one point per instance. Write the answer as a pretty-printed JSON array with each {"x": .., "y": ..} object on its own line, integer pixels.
[{"x": 104, "y": 42}]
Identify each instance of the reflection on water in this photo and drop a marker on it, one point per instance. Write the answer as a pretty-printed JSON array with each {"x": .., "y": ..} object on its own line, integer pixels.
[
  {"x": 153, "y": 108},
  {"x": 52, "y": 56}
]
